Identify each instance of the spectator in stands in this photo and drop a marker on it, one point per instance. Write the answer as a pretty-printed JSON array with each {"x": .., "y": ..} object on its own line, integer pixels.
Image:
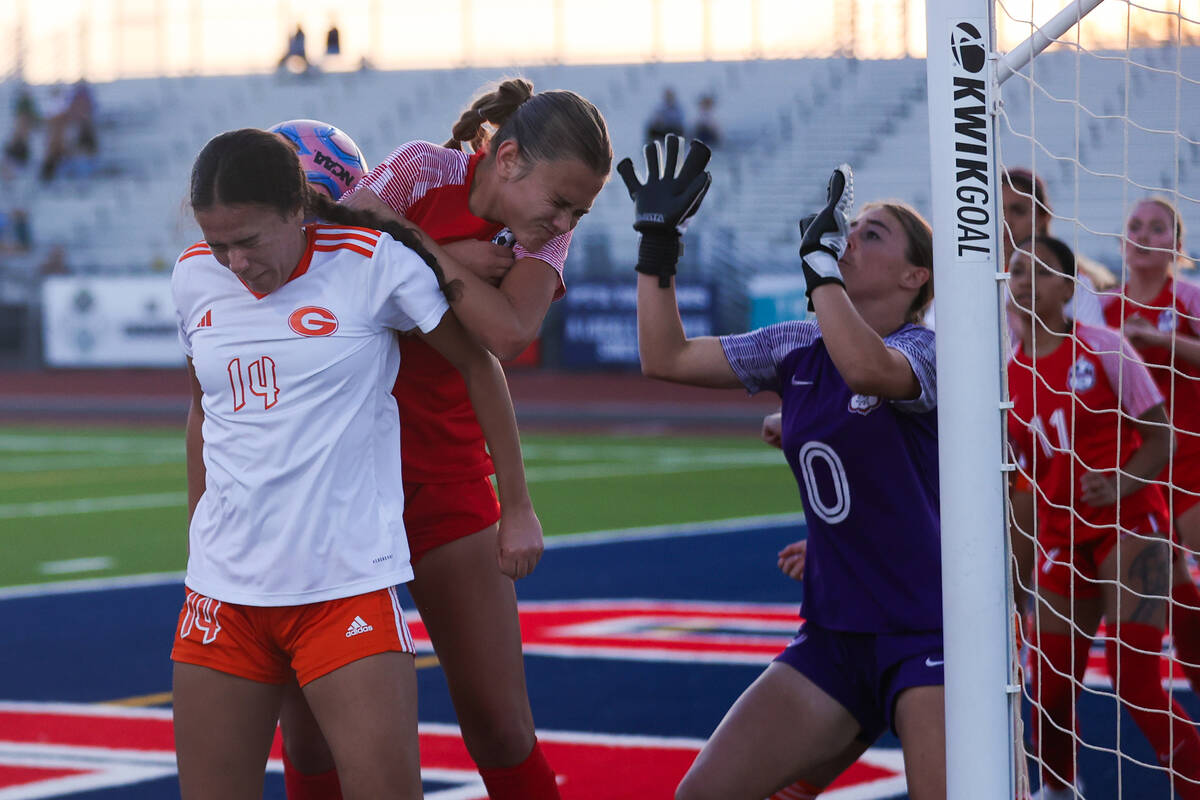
[
  {"x": 16, "y": 182},
  {"x": 55, "y": 262},
  {"x": 707, "y": 129},
  {"x": 333, "y": 41},
  {"x": 667, "y": 117},
  {"x": 18, "y": 146},
  {"x": 70, "y": 128},
  {"x": 295, "y": 58}
]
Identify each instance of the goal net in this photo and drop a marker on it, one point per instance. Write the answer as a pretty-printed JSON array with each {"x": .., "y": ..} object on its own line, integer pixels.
[{"x": 1065, "y": 143}]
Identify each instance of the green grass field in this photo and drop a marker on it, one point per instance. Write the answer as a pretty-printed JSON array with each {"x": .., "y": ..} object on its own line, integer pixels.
[{"x": 80, "y": 503}]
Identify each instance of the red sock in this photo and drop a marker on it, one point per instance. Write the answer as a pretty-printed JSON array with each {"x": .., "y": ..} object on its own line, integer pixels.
[
  {"x": 532, "y": 779},
  {"x": 1185, "y": 630},
  {"x": 321, "y": 786},
  {"x": 800, "y": 790},
  {"x": 1163, "y": 721},
  {"x": 1056, "y": 682}
]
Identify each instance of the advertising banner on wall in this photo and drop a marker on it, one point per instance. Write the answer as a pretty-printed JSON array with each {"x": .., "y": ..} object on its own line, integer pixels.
[
  {"x": 109, "y": 321},
  {"x": 600, "y": 321}
]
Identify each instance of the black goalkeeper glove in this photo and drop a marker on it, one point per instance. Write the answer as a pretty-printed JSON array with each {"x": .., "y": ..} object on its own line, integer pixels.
[
  {"x": 825, "y": 233},
  {"x": 665, "y": 202}
]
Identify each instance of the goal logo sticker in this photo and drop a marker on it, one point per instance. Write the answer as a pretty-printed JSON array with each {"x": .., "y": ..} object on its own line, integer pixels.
[
  {"x": 970, "y": 132},
  {"x": 967, "y": 45}
]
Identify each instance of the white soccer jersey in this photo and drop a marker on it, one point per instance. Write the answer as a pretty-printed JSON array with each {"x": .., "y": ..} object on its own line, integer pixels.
[{"x": 302, "y": 499}]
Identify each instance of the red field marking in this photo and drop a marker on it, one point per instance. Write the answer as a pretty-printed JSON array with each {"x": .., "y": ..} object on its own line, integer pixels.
[
  {"x": 19, "y": 776},
  {"x": 652, "y": 630},
  {"x": 101, "y": 746}
]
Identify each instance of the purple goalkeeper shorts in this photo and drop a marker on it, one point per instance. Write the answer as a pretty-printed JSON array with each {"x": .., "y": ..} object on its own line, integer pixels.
[{"x": 866, "y": 672}]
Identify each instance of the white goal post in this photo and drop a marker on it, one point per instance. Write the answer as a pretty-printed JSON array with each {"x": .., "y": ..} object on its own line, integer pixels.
[{"x": 982, "y": 694}]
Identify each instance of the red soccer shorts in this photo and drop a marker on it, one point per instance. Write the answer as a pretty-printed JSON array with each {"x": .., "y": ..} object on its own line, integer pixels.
[
  {"x": 1184, "y": 477},
  {"x": 438, "y": 513},
  {"x": 266, "y": 643},
  {"x": 1060, "y": 567}
]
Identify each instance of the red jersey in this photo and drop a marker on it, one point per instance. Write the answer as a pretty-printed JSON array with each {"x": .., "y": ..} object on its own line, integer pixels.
[
  {"x": 430, "y": 185},
  {"x": 1177, "y": 309},
  {"x": 1066, "y": 421}
]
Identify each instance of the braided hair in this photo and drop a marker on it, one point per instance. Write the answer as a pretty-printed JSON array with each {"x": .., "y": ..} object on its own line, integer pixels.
[{"x": 547, "y": 126}]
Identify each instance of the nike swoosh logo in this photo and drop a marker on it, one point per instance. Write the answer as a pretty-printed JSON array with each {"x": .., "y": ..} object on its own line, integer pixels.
[
  {"x": 929, "y": 662},
  {"x": 798, "y": 382}
]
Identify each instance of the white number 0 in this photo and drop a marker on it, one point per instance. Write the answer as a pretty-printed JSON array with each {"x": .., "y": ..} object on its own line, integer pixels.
[{"x": 839, "y": 509}]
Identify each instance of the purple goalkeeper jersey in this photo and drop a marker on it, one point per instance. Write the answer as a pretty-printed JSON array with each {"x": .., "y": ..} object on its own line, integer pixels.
[{"x": 868, "y": 475}]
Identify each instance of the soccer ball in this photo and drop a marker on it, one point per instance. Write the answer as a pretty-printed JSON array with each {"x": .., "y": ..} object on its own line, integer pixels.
[{"x": 331, "y": 160}]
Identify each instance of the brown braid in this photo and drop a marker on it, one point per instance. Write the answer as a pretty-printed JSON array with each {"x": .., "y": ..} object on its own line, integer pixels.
[
  {"x": 493, "y": 108},
  {"x": 317, "y": 204}
]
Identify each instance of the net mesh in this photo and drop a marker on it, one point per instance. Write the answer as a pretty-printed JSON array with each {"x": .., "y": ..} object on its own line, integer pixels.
[{"x": 1100, "y": 140}]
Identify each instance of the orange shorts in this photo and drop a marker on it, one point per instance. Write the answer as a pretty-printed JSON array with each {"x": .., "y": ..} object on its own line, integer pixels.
[
  {"x": 1059, "y": 569},
  {"x": 268, "y": 643},
  {"x": 438, "y": 513}
]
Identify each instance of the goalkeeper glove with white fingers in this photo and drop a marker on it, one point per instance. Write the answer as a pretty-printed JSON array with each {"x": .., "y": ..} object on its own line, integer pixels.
[
  {"x": 825, "y": 233},
  {"x": 665, "y": 202}
]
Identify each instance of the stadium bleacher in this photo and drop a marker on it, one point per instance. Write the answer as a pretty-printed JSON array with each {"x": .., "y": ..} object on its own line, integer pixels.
[{"x": 786, "y": 123}]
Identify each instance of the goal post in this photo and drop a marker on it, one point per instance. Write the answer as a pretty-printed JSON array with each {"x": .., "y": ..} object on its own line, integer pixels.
[
  {"x": 981, "y": 699},
  {"x": 985, "y": 752}
]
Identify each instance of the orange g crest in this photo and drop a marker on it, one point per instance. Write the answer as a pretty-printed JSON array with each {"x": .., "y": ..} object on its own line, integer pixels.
[{"x": 313, "y": 321}]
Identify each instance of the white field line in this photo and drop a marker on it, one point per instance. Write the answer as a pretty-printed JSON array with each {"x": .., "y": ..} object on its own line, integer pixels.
[
  {"x": 67, "y": 566},
  {"x": 653, "y": 466},
  {"x": 87, "y": 444},
  {"x": 767, "y": 521},
  {"x": 544, "y": 474},
  {"x": 73, "y": 461},
  {"x": 90, "y": 505},
  {"x": 626, "y": 452}
]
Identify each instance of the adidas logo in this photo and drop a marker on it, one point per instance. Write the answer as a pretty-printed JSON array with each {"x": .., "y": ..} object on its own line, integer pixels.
[
  {"x": 358, "y": 626},
  {"x": 206, "y": 320}
]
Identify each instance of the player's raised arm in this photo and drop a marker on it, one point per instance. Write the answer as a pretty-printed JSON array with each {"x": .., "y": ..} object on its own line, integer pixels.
[
  {"x": 664, "y": 204},
  {"x": 504, "y": 317},
  {"x": 520, "y": 540},
  {"x": 854, "y": 332}
]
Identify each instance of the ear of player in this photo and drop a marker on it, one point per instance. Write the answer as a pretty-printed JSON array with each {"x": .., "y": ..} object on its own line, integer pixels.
[
  {"x": 826, "y": 233},
  {"x": 665, "y": 202}
]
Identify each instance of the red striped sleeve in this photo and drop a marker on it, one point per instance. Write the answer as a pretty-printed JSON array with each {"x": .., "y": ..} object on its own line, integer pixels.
[
  {"x": 367, "y": 234},
  {"x": 357, "y": 240},
  {"x": 411, "y": 170},
  {"x": 1136, "y": 391},
  {"x": 198, "y": 249},
  {"x": 554, "y": 253},
  {"x": 329, "y": 248}
]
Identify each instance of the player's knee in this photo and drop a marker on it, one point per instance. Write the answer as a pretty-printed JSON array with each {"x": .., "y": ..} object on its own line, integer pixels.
[
  {"x": 309, "y": 755},
  {"x": 499, "y": 743}
]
